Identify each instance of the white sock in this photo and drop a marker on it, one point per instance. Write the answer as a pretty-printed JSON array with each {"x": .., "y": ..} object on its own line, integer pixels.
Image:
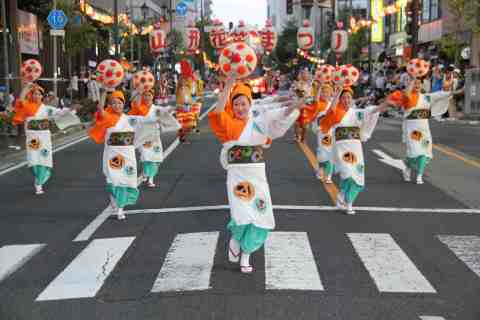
[
  {"x": 38, "y": 188},
  {"x": 150, "y": 180},
  {"x": 234, "y": 246},
  {"x": 120, "y": 212},
  {"x": 245, "y": 259}
]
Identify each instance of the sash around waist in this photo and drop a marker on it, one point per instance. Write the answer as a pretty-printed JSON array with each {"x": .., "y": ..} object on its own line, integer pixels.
[
  {"x": 38, "y": 124},
  {"x": 419, "y": 114},
  {"x": 121, "y": 139},
  {"x": 347, "y": 133},
  {"x": 245, "y": 154}
]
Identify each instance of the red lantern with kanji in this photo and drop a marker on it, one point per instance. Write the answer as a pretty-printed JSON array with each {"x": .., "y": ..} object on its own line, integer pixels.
[
  {"x": 157, "y": 41},
  {"x": 268, "y": 37},
  {"x": 305, "y": 36},
  {"x": 339, "y": 41},
  {"x": 218, "y": 35},
  {"x": 192, "y": 38},
  {"x": 240, "y": 33}
]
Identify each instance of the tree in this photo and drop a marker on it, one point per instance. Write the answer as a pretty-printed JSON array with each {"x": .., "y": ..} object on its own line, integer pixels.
[{"x": 286, "y": 49}]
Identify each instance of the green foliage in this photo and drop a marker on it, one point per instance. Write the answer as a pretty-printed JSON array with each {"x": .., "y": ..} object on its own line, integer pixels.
[
  {"x": 286, "y": 49},
  {"x": 468, "y": 11},
  {"x": 451, "y": 46}
]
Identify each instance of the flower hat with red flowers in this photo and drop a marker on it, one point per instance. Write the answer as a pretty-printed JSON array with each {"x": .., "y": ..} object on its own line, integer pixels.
[{"x": 238, "y": 60}]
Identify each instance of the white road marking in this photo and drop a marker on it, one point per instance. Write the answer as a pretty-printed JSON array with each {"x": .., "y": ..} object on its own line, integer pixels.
[
  {"x": 387, "y": 159},
  {"x": 87, "y": 273},
  {"x": 188, "y": 264},
  {"x": 306, "y": 208},
  {"x": 431, "y": 318},
  {"x": 24, "y": 163},
  {"x": 87, "y": 232},
  {"x": 466, "y": 248},
  {"x": 289, "y": 262},
  {"x": 13, "y": 257},
  {"x": 390, "y": 268}
]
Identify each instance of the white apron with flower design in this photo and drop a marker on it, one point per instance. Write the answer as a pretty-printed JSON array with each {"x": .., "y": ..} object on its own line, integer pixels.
[
  {"x": 39, "y": 142},
  {"x": 324, "y": 140},
  {"x": 151, "y": 149},
  {"x": 348, "y": 153},
  {"x": 416, "y": 132},
  {"x": 247, "y": 185}
]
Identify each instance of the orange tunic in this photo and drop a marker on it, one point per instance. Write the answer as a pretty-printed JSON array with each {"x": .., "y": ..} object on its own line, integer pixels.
[
  {"x": 139, "y": 109},
  {"x": 108, "y": 119},
  {"x": 23, "y": 110},
  {"x": 225, "y": 126},
  {"x": 400, "y": 99},
  {"x": 333, "y": 117}
]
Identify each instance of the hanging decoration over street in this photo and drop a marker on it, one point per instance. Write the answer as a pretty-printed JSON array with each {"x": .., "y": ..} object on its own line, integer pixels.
[
  {"x": 305, "y": 36},
  {"x": 238, "y": 60},
  {"x": 268, "y": 37},
  {"x": 31, "y": 70},
  {"x": 111, "y": 73},
  {"x": 157, "y": 41},
  {"x": 240, "y": 33},
  {"x": 192, "y": 38},
  {"x": 218, "y": 35}
]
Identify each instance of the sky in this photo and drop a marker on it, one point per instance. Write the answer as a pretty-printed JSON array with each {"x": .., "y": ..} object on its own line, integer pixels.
[{"x": 251, "y": 11}]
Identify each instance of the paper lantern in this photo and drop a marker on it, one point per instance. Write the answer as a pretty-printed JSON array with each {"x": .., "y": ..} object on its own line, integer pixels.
[
  {"x": 157, "y": 41},
  {"x": 324, "y": 73},
  {"x": 305, "y": 36},
  {"x": 240, "y": 33},
  {"x": 339, "y": 41},
  {"x": 347, "y": 74},
  {"x": 218, "y": 35},
  {"x": 418, "y": 68},
  {"x": 193, "y": 38},
  {"x": 143, "y": 81},
  {"x": 111, "y": 73},
  {"x": 238, "y": 60},
  {"x": 31, "y": 70},
  {"x": 268, "y": 37}
]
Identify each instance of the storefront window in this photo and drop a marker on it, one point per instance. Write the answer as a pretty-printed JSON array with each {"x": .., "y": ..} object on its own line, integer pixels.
[
  {"x": 434, "y": 10},
  {"x": 426, "y": 11}
]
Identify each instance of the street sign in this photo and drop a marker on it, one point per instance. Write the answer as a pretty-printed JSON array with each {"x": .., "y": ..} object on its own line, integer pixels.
[
  {"x": 57, "y": 19},
  {"x": 181, "y": 9},
  {"x": 57, "y": 33}
]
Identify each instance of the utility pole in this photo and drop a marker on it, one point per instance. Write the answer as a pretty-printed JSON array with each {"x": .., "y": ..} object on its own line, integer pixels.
[
  {"x": 370, "y": 69},
  {"x": 6, "y": 66},
  {"x": 55, "y": 57},
  {"x": 202, "y": 40},
  {"x": 131, "y": 31},
  {"x": 115, "y": 27},
  {"x": 171, "y": 16}
]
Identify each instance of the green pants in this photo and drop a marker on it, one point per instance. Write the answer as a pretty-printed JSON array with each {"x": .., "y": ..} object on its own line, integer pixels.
[
  {"x": 418, "y": 164},
  {"x": 123, "y": 196},
  {"x": 328, "y": 167},
  {"x": 350, "y": 189},
  {"x": 250, "y": 237},
  {"x": 150, "y": 168},
  {"x": 41, "y": 174}
]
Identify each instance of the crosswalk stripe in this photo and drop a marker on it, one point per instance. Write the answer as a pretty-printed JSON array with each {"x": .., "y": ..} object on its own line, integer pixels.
[
  {"x": 188, "y": 263},
  {"x": 390, "y": 268},
  {"x": 466, "y": 248},
  {"x": 13, "y": 257},
  {"x": 431, "y": 318},
  {"x": 289, "y": 262},
  {"x": 86, "y": 274}
]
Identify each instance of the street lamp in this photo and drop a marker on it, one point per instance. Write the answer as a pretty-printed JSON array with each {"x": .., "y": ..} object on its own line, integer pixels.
[{"x": 144, "y": 9}]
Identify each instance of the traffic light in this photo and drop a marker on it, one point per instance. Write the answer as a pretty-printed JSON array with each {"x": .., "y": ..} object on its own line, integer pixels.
[{"x": 289, "y": 6}]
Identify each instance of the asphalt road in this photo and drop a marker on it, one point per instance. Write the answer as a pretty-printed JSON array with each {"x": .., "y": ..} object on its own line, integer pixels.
[{"x": 411, "y": 251}]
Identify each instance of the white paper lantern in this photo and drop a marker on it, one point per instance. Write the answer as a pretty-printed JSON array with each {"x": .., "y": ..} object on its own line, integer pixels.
[
  {"x": 268, "y": 37},
  {"x": 157, "y": 41},
  {"x": 339, "y": 42},
  {"x": 305, "y": 36}
]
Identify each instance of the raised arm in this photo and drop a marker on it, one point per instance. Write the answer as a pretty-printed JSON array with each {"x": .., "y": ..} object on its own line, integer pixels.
[
  {"x": 25, "y": 90},
  {"x": 102, "y": 102},
  {"x": 223, "y": 98}
]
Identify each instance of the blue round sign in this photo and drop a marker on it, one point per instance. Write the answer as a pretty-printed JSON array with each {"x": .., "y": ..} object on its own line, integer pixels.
[
  {"x": 57, "y": 19},
  {"x": 181, "y": 9}
]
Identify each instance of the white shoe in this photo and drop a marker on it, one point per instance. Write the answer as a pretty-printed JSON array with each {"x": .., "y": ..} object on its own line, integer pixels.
[
  {"x": 141, "y": 179},
  {"x": 419, "y": 180},
  {"x": 39, "y": 190},
  {"x": 245, "y": 266},
  {"x": 328, "y": 180},
  {"x": 151, "y": 184},
  {"x": 233, "y": 251},
  {"x": 350, "y": 209},
  {"x": 319, "y": 174},
  {"x": 341, "y": 202},
  {"x": 406, "y": 174},
  {"x": 121, "y": 216}
]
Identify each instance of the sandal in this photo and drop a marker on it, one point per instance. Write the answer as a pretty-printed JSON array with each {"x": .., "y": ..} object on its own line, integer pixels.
[{"x": 246, "y": 269}]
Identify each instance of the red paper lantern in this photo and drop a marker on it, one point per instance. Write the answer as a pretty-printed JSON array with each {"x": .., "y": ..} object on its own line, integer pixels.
[
  {"x": 268, "y": 37},
  {"x": 305, "y": 36},
  {"x": 192, "y": 38},
  {"x": 339, "y": 41},
  {"x": 157, "y": 41}
]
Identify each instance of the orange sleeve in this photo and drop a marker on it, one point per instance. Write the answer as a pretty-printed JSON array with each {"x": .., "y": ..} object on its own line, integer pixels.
[
  {"x": 225, "y": 127},
  {"x": 19, "y": 116},
  {"x": 102, "y": 123}
]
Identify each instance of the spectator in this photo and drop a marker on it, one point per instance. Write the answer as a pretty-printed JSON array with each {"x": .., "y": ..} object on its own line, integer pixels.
[
  {"x": 404, "y": 78},
  {"x": 74, "y": 85},
  {"x": 93, "y": 89},
  {"x": 437, "y": 78},
  {"x": 51, "y": 100}
]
